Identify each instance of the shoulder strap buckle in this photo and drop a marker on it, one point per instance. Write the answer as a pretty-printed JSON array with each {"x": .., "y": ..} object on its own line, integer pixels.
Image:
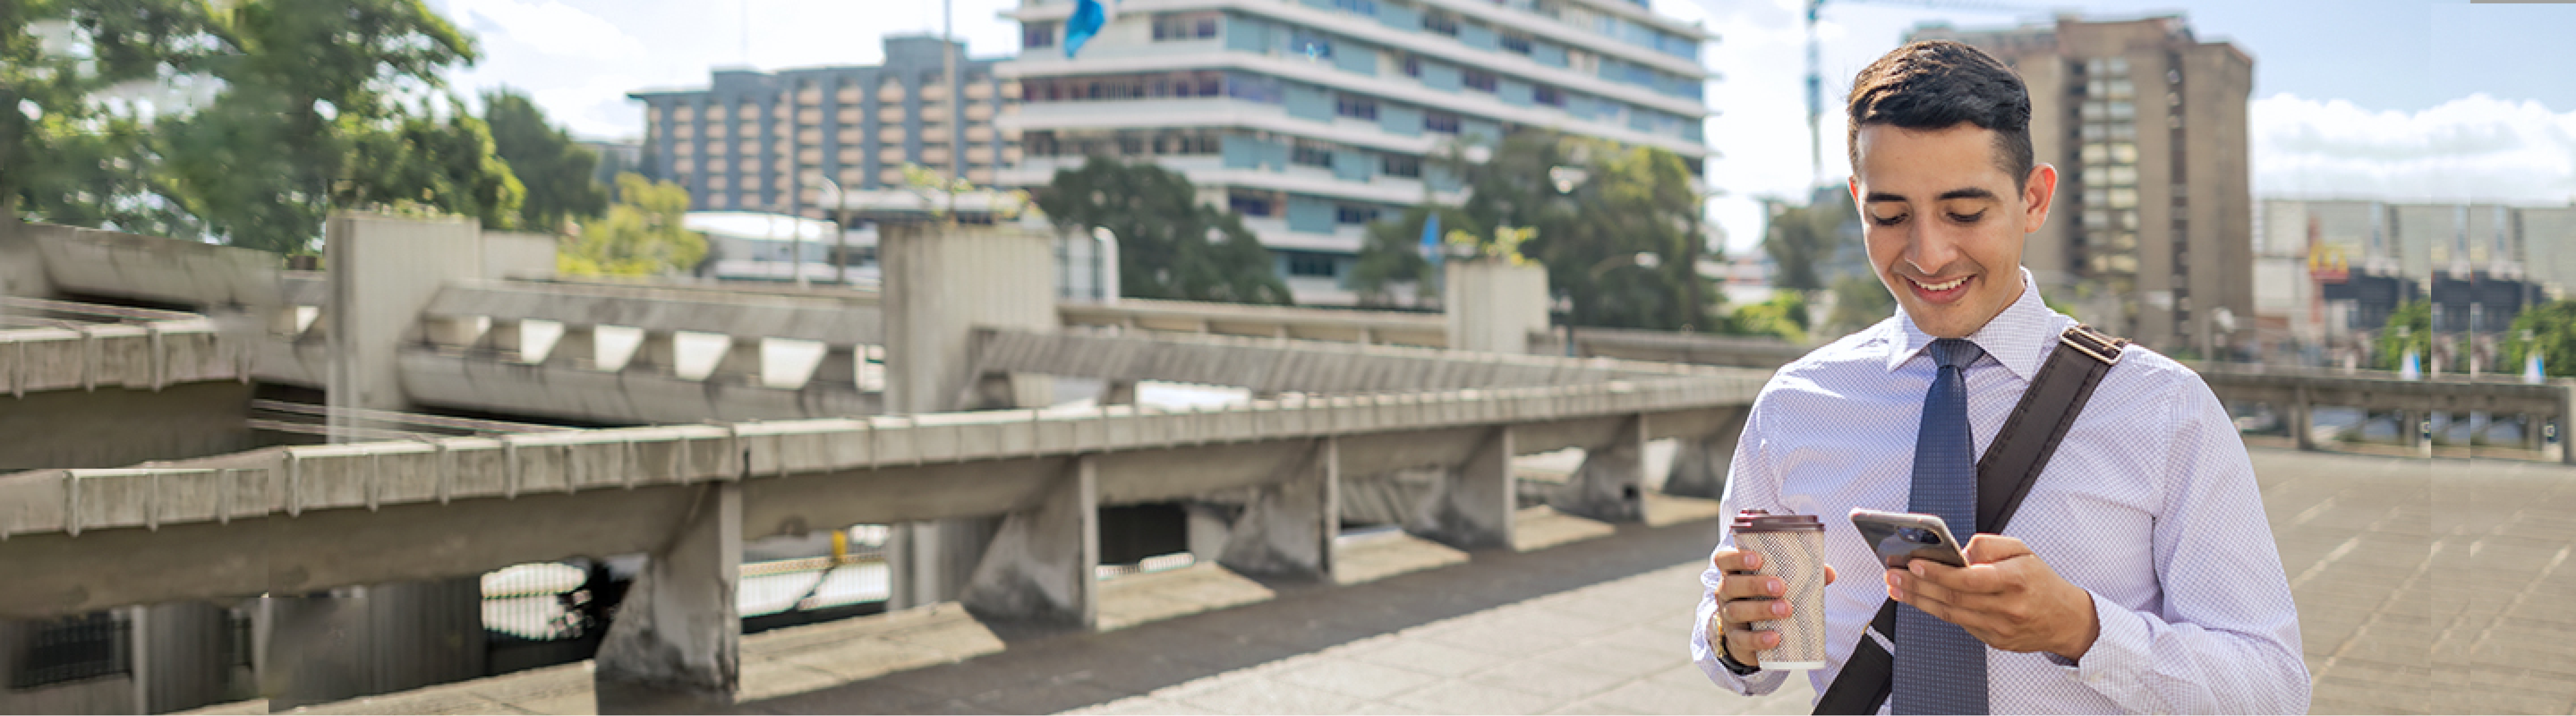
[{"x": 2093, "y": 342}]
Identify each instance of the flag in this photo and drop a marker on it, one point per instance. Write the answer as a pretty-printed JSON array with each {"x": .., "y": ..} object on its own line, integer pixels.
[
  {"x": 1088, "y": 17},
  {"x": 1431, "y": 237}
]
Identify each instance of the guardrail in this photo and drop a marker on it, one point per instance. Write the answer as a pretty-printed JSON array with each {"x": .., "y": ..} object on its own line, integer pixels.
[{"x": 59, "y": 345}]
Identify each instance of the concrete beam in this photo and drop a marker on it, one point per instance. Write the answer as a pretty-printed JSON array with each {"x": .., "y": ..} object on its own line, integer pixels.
[
  {"x": 638, "y": 396},
  {"x": 1701, "y": 462},
  {"x": 1287, "y": 528},
  {"x": 1043, "y": 564},
  {"x": 675, "y": 644},
  {"x": 1473, "y": 505},
  {"x": 1610, "y": 486},
  {"x": 833, "y": 321}
]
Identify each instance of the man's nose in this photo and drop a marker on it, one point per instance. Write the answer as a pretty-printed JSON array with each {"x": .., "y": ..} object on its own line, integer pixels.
[{"x": 1930, "y": 247}]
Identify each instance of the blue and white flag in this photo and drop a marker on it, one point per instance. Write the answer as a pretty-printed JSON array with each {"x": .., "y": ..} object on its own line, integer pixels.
[
  {"x": 1431, "y": 238},
  {"x": 1088, "y": 17}
]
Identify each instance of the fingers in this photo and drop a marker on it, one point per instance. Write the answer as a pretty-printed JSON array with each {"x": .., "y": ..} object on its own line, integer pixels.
[
  {"x": 1829, "y": 574},
  {"x": 1989, "y": 548},
  {"x": 1749, "y": 586},
  {"x": 1746, "y": 646},
  {"x": 1731, "y": 560},
  {"x": 1744, "y": 611}
]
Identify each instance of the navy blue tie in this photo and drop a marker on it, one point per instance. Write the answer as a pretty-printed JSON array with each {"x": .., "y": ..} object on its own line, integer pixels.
[{"x": 1940, "y": 669}]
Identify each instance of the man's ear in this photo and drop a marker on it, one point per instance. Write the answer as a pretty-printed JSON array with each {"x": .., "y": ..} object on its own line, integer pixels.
[
  {"x": 2036, "y": 193},
  {"x": 1853, "y": 183}
]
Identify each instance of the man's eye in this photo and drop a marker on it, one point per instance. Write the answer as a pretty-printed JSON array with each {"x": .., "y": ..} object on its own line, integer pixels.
[
  {"x": 1887, "y": 220},
  {"x": 1968, "y": 218}
]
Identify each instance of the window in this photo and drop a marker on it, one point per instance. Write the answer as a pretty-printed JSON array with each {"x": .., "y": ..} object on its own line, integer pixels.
[
  {"x": 1248, "y": 204},
  {"x": 1400, "y": 166},
  {"x": 1194, "y": 26},
  {"x": 1546, "y": 95},
  {"x": 1412, "y": 66},
  {"x": 1440, "y": 22},
  {"x": 1478, "y": 79},
  {"x": 1354, "y": 214},
  {"x": 1311, "y": 155},
  {"x": 1206, "y": 28},
  {"x": 1253, "y": 88},
  {"x": 1516, "y": 43},
  {"x": 1363, "y": 7},
  {"x": 1355, "y": 107},
  {"x": 1313, "y": 46},
  {"x": 1442, "y": 122},
  {"x": 1301, "y": 263}
]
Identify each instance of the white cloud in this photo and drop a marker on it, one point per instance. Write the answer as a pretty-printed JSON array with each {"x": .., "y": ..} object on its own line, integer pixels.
[
  {"x": 2476, "y": 148},
  {"x": 550, "y": 27}
]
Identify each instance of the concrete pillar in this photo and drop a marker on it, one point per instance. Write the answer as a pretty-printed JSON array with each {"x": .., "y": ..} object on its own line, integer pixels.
[
  {"x": 2303, "y": 419},
  {"x": 1287, "y": 528},
  {"x": 383, "y": 271},
  {"x": 1471, "y": 507},
  {"x": 357, "y": 641},
  {"x": 741, "y": 361},
  {"x": 180, "y": 658},
  {"x": 2566, "y": 420},
  {"x": 1043, "y": 565},
  {"x": 1611, "y": 484},
  {"x": 2530, "y": 425},
  {"x": 660, "y": 351},
  {"x": 941, "y": 282},
  {"x": 1493, "y": 305},
  {"x": 1700, "y": 465},
  {"x": 674, "y": 646},
  {"x": 1118, "y": 392},
  {"x": 578, "y": 348}
]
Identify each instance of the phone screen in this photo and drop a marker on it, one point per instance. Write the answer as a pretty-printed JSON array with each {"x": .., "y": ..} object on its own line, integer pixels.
[{"x": 1899, "y": 538}]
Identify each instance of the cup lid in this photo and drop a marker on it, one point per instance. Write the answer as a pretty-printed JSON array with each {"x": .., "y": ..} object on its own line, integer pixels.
[{"x": 1764, "y": 521}]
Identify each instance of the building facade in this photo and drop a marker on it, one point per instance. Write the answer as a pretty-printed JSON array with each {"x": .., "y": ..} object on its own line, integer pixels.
[
  {"x": 760, "y": 141},
  {"x": 1315, "y": 117},
  {"x": 2152, "y": 229},
  {"x": 2330, "y": 272}
]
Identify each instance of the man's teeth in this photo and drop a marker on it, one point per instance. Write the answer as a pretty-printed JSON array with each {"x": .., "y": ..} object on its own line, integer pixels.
[{"x": 1953, "y": 283}]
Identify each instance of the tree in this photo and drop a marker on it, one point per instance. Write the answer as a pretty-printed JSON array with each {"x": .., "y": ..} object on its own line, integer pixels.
[
  {"x": 444, "y": 162},
  {"x": 1392, "y": 251},
  {"x": 1618, "y": 202},
  {"x": 1799, "y": 239},
  {"x": 1784, "y": 315},
  {"x": 642, "y": 235},
  {"x": 2552, "y": 327},
  {"x": 559, "y": 174},
  {"x": 68, "y": 155},
  {"x": 1169, "y": 246},
  {"x": 1860, "y": 301},
  {"x": 2410, "y": 328}
]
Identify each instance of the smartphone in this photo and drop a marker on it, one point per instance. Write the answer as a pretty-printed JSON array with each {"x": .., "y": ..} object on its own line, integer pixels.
[{"x": 1902, "y": 537}]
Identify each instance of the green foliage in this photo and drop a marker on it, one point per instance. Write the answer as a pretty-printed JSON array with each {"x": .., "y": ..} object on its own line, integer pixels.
[
  {"x": 2552, "y": 327},
  {"x": 1630, "y": 201},
  {"x": 640, "y": 236},
  {"x": 559, "y": 175},
  {"x": 1784, "y": 316},
  {"x": 2410, "y": 327},
  {"x": 1169, "y": 246},
  {"x": 1859, "y": 302},
  {"x": 1799, "y": 238},
  {"x": 2064, "y": 308},
  {"x": 448, "y": 164},
  {"x": 1392, "y": 252},
  {"x": 66, "y": 157}
]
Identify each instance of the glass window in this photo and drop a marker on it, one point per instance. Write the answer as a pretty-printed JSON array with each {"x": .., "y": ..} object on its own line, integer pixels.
[
  {"x": 1546, "y": 95},
  {"x": 1440, "y": 22},
  {"x": 1363, "y": 7},
  {"x": 1301, "y": 263},
  {"x": 1355, "y": 107},
  {"x": 1402, "y": 166},
  {"x": 1477, "y": 79},
  {"x": 1354, "y": 214},
  {"x": 1442, "y": 122},
  {"x": 1516, "y": 43},
  {"x": 1311, "y": 155},
  {"x": 1248, "y": 204}
]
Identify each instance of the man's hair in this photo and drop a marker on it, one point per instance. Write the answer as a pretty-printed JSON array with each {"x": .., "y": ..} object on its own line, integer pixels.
[{"x": 1937, "y": 84}]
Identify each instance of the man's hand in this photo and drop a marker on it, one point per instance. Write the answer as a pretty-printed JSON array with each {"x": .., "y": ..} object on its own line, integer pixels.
[
  {"x": 1743, "y": 598},
  {"x": 2006, "y": 597}
]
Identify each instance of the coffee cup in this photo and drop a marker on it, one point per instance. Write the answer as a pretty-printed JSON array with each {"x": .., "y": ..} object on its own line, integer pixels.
[{"x": 1793, "y": 550}]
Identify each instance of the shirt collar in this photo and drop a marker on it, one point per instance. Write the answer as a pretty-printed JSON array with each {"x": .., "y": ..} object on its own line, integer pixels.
[{"x": 2019, "y": 338}]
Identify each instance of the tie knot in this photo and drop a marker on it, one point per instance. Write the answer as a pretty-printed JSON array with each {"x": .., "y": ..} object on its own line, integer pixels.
[{"x": 1955, "y": 353}]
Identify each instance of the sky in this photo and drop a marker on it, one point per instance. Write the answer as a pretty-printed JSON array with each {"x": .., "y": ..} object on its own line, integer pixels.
[{"x": 2395, "y": 99}]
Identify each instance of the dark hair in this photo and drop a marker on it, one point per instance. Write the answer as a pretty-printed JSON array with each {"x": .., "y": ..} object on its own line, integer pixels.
[{"x": 1937, "y": 84}]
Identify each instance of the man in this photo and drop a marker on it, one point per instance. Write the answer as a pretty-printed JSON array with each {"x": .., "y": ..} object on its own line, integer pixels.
[{"x": 2138, "y": 574}]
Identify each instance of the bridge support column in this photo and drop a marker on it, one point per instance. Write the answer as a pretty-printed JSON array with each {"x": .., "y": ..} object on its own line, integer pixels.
[
  {"x": 1118, "y": 392},
  {"x": 1492, "y": 305},
  {"x": 1043, "y": 565},
  {"x": 1611, "y": 484},
  {"x": 373, "y": 639},
  {"x": 1472, "y": 506},
  {"x": 1700, "y": 466},
  {"x": 578, "y": 348},
  {"x": 674, "y": 646},
  {"x": 2303, "y": 419},
  {"x": 2566, "y": 422},
  {"x": 1287, "y": 527}
]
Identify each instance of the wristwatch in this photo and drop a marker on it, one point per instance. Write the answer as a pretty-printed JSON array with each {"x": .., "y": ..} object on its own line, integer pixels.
[{"x": 1717, "y": 638}]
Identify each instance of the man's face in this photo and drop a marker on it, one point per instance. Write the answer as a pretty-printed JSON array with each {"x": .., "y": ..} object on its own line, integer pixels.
[{"x": 1944, "y": 223}]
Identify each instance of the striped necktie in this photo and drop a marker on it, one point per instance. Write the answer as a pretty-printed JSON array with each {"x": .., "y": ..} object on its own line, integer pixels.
[{"x": 1940, "y": 669}]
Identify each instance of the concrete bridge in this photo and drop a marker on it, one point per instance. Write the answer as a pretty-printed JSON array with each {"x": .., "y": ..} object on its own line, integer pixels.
[{"x": 934, "y": 406}]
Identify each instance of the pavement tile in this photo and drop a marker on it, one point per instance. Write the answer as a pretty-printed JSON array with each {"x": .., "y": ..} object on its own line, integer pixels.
[
  {"x": 1266, "y": 696},
  {"x": 1647, "y": 697},
  {"x": 1354, "y": 678},
  {"x": 1387, "y": 709},
  {"x": 1555, "y": 680},
  {"x": 1617, "y": 658},
  {"x": 1456, "y": 697},
  {"x": 1137, "y": 706},
  {"x": 1434, "y": 658}
]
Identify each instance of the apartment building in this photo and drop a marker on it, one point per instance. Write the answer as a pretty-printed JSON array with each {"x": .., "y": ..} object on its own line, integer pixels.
[
  {"x": 2154, "y": 216},
  {"x": 1315, "y": 117},
  {"x": 764, "y": 141}
]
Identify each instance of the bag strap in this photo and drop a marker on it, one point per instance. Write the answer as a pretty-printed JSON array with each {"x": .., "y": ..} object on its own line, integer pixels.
[{"x": 2056, "y": 395}]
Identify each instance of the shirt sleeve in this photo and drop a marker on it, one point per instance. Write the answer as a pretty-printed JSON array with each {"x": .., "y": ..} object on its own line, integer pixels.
[
  {"x": 1749, "y": 481},
  {"x": 2225, "y": 638}
]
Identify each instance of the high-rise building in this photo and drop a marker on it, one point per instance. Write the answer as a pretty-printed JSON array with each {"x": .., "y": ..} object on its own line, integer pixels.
[
  {"x": 1315, "y": 117},
  {"x": 2154, "y": 210},
  {"x": 758, "y": 141},
  {"x": 2330, "y": 272}
]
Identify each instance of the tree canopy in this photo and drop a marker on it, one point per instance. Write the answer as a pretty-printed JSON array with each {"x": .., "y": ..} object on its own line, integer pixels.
[
  {"x": 640, "y": 236},
  {"x": 2410, "y": 327},
  {"x": 1801, "y": 239},
  {"x": 1169, "y": 245},
  {"x": 2552, "y": 327},
  {"x": 559, "y": 174}
]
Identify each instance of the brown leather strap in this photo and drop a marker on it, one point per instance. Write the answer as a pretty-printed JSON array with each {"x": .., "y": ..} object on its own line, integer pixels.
[{"x": 2012, "y": 463}]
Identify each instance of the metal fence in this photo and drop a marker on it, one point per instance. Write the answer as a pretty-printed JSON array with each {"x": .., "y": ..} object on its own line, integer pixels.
[{"x": 75, "y": 648}]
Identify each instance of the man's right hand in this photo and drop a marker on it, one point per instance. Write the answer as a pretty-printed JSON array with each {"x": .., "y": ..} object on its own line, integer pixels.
[{"x": 1743, "y": 598}]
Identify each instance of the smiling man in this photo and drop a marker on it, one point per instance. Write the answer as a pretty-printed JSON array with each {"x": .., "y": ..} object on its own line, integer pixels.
[{"x": 2136, "y": 575}]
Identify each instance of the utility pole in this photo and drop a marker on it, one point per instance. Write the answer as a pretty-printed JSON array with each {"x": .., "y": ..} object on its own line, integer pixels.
[{"x": 956, "y": 100}]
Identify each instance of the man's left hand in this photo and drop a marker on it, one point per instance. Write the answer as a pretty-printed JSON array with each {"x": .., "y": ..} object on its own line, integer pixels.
[{"x": 2005, "y": 597}]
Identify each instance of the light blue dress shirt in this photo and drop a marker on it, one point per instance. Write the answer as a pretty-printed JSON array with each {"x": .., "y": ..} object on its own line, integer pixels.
[{"x": 2149, "y": 503}]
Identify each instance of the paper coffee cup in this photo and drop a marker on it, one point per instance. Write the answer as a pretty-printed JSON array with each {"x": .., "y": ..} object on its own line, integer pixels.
[{"x": 1792, "y": 549}]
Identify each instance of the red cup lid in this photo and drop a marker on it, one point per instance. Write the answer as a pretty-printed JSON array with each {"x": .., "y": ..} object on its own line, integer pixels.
[{"x": 1764, "y": 521}]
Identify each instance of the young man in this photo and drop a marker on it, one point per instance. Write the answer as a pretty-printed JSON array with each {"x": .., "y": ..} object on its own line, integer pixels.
[{"x": 2138, "y": 574}]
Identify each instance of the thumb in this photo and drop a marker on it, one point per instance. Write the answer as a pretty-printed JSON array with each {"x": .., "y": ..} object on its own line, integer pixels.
[{"x": 1992, "y": 548}]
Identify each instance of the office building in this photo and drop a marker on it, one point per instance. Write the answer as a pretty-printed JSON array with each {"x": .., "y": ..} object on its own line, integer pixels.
[
  {"x": 2154, "y": 211},
  {"x": 760, "y": 141},
  {"x": 2330, "y": 272},
  {"x": 1314, "y": 118}
]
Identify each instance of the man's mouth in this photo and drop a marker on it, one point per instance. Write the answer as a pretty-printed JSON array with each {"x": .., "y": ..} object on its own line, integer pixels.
[{"x": 1940, "y": 292}]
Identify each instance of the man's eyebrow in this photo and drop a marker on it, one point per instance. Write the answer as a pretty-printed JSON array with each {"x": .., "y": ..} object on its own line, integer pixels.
[
  {"x": 1879, "y": 196},
  {"x": 1969, "y": 193}
]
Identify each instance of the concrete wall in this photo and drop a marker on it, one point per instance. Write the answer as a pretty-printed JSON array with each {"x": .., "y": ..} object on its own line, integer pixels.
[
  {"x": 1494, "y": 306},
  {"x": 383, "y": 270},
  {"x": 116, "y": 427},
  {"x": 516, "y": 255},
  {"x": 942, "y": 282}
]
